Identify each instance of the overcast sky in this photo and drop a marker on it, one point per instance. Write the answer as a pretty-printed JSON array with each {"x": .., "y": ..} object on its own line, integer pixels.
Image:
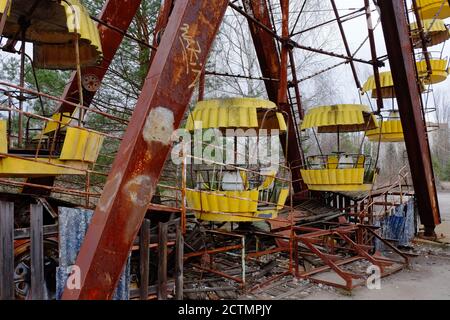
[{"x": 356, "y": 31}]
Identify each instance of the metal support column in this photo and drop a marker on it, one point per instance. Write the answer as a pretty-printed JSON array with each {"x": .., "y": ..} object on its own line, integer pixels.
[
  {"x": 400, "y": 52},
  {"x": 132, "y": 181}
]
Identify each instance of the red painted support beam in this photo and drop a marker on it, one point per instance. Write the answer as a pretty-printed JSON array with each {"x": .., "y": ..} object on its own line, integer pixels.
[
  {"x": 163, "y": 18},
  {"x": 270, "y": 64},
  {"x": 400, "y": 52},
  {"x": 131, "y": 183},
  {"x": 265, "y": 45}
]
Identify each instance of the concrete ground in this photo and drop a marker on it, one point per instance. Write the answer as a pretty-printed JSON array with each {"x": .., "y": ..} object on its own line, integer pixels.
[{"x": 428, "y": 276}]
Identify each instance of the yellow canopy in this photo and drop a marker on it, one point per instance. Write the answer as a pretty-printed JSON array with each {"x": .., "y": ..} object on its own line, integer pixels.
[
  {"x": 236, "y": 113},
  {"x": 387, "y": 85},
  {"x": 389, "y": 130},
  {"x": 339, "y": 118},
  {"x": 428, "y": 9},
  {"x": 53, "y": 30},
  {"x": 435, "y": 30},
  {"x": 438, "y": 68}
]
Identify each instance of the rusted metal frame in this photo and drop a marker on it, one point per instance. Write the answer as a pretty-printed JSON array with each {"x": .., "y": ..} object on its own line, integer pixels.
[
  {"x": 346, "y": 46},
  {"x": 292, "y": 42},
  {"x": 226, "y": 74},
  {"x": 268, "y": 58},
  {"x": 21, "y": 96},
  {"x": 212, "y": 251},
  {"x": 400, "y": 52},
  {"x": 317, "y": 232},
  {"x": 363, "y": 253},
  {"x": 293, "y": 152},
  {"x": 326, "y": 267},
  {"x": 294, "y": 84},
  {"x": 118, "y": 16},
  {"x": 161, "y": 24},
  {"x": 59, "y": 122},
  {"x": 373, "y": 52},
  {"x": 6, "y": 250},
  {"x": 422, "y": 37},
  {"x": 394, "y": 248},
  {"x": 60, "y": 190},
  {"x": 348, "y": 286},
  {"x": 296, "y": 107},
  {"x": 122, "y": 32},
  {"x": 346, "y": 276},
  {"x": 284, "y": 55},
  {"x": 128, "y": 191}
]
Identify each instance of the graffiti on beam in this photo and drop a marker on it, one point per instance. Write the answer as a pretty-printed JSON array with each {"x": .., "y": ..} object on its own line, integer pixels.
[{"x": 191, "y": 52}]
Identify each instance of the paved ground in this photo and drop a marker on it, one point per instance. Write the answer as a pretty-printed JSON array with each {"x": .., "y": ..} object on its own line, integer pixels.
[
  {"x": 428, "y": 276},
  {"x": 444, "y": 205}
]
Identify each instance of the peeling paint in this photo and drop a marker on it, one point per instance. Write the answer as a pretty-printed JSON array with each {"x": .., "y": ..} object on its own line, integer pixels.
[
  {"x": 111, "y": 187},
  {"x": 139, "y": 190},
  {"x": 159, "y": 126}
]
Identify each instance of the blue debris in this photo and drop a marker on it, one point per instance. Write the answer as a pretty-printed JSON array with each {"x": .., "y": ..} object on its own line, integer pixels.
[
  {"x": 73, "y": 225},
  {"x": 399, "y": 225}
]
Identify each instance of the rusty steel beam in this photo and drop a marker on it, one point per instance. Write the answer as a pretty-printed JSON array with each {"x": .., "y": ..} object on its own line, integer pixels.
[
  {"x": 265, "y": 44},
  {"x": 132, "y": 181},
  {"x": 404, "y": 73},
  {"x": 293, "y": 43},
  {"x": 257, "y": 14},
  {"x": 284, "y": 54}
]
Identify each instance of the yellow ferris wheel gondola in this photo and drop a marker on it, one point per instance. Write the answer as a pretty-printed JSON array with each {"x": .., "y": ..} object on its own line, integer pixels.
[
  {"x": 387, "y": 85},
  {"x": 389, "y": 129},
  {"x": 80, "y": 149},
  {"x": 339, "y": 171},
  {"x": 431, "y": 9},
  {"x": 435, "y": 29},
  {"x": 233, "y": 193},
  {"x": 54, "y": 27}
]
